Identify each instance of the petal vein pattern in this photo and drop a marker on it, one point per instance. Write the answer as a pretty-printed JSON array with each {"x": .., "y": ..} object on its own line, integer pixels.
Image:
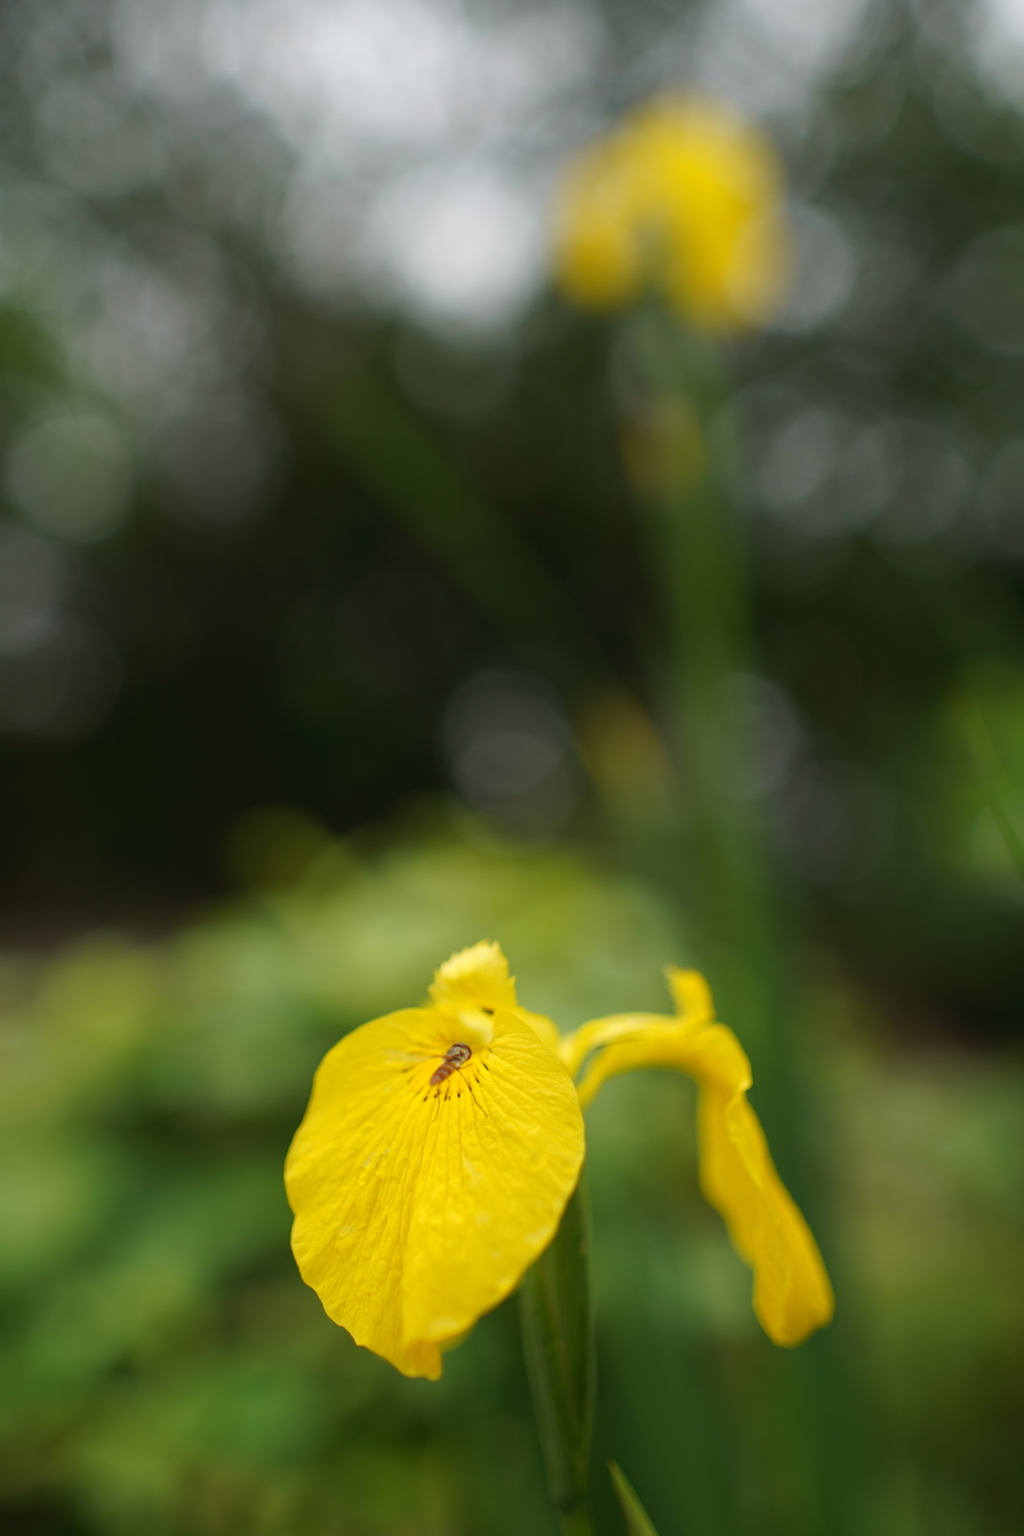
[{"x": 418, "y": 1204}]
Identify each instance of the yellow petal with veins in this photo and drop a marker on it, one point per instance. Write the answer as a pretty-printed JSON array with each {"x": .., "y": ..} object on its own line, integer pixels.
[
  {"x": 792, "y": 1292},
  {"x": 424, "y": 1184},
  {"x": 546, "y": 1029}
]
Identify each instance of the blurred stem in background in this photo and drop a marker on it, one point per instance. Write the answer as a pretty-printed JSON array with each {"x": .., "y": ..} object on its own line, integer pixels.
[
  {"x": 680, "y": 209},
  {"x": 398, "y": 462},
  {"x": 1001, "y": 794},
  {"x": 679, "y": 448},
  {"x": 678, "y": 444}
]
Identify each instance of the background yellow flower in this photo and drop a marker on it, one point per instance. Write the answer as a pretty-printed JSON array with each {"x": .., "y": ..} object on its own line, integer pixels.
[{"x": 683, "y": 199}]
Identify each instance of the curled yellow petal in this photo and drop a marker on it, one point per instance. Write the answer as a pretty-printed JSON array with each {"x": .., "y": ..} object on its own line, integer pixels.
[
  {"x": 589, "y": 1044},
  {"x": 431, "y": 1169},
  {"x": 691, "y": 995},
  {"x": 792, "y": 1292},
  {"x": 694, "y": 1007}
]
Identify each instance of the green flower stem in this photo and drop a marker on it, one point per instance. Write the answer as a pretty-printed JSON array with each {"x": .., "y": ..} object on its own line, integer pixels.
[
  {"x": 558, "y": 1344},
  {"x": 714, "y": 854},
  {"x": 687, "y": 475},
  {"x": 576, "y": 1522}
]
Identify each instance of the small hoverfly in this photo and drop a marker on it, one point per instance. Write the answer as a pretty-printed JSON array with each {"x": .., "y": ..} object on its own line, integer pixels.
[{"x": 455, "y": 1057}]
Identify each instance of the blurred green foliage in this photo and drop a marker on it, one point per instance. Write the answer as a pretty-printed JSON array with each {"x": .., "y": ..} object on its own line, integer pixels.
[{"x": 163, "y": 1368}]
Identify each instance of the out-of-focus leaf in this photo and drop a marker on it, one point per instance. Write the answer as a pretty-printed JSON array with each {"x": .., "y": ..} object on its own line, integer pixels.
[
  {"x": 1001, "y": 793},
  {"x": 396, "y": 459},
  {"x": 633, "y": 1512}
]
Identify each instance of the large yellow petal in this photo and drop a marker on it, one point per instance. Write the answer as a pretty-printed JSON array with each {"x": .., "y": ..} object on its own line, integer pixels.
[
  {"x": 419, "y": 1205},
  {"x": 792, "y": 1292}
]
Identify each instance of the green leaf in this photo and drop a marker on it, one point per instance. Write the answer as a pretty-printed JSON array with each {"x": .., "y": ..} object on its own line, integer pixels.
[
  {"x": 633, "y": 1512},
  {"x": 558, "y": 1342}
]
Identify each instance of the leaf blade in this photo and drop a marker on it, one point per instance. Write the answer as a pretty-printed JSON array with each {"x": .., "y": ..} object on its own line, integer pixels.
[
  {"x": 558, "y": 1344},
  {"x": 637, "y": 1520}
]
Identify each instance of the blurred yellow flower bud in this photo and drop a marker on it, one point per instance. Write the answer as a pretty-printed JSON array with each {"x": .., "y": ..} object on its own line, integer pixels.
[{"x": 683, "y": 199}]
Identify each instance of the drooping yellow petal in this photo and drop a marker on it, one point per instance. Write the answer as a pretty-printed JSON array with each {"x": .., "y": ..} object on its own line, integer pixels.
[
  {"x": 584, "y": 1044},
  {"x": 793, "y": 1295},
  {"x": 694, "y": 1007},
  {"x": 425, "y": 1181},
  {"x": 792, "y": 1292}
]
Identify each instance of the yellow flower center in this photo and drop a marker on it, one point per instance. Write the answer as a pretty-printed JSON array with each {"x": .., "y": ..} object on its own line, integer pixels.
[{"x": 471, "y": 1026}]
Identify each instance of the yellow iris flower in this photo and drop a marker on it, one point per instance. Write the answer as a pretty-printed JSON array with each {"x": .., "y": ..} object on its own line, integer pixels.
[
  {"x": 685, "y": 199},
  {"x": 442, "y": 1144}
]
